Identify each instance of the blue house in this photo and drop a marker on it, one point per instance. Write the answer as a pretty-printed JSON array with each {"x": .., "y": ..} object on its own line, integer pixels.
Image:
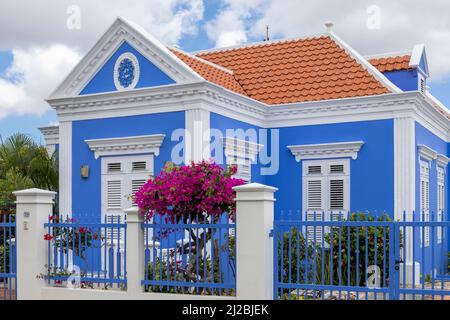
[{"x": 333, "y": 130}]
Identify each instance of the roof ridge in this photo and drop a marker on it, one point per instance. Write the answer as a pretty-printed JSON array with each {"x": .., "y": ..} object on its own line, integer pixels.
[
  {"x": 212, "y": 64},
  {"x": 388, "y": 55},
  {"x": 259, "y": 44}
]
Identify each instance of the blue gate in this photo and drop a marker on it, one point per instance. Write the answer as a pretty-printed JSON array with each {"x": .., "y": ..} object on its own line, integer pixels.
[
  {"x": 334, "y": 256},
  {"x": 8, "y": 279}
]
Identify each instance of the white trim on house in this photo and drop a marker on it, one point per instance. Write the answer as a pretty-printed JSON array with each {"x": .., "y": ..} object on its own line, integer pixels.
[
  {"x": 122, "y": 30},
  {"x": 416, "y": 55},
  {"x": 65, "y": 168},
  {"x": 427, "y": 153},
  {"x": 241, "y": 153},
  {"x": 213, "y": 98},
  {"x": 126, "y": 145},
  {"x": 326, "y": 150},
  {"x": 234, "y": 147},
  {"x": 51, "y": 137},
  {"x": 197, "y": 134},
  {"x": 442, "y": 161}
]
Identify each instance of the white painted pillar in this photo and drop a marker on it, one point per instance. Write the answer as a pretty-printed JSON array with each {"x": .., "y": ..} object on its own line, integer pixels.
[
  {"x": 197, "y": 135},
  {"x": 405, "y": 187},
  {"x": 254, "y": 251},
  {"x": 33, "y": 208},
  {"x": 65, "y": 168},
  {"x": 135, "y": 250}
]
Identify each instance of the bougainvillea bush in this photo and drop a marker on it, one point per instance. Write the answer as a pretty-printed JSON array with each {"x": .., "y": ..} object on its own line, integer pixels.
[
  {"x": 199, "y": 195},
  {"x": 192, "y": 191}
]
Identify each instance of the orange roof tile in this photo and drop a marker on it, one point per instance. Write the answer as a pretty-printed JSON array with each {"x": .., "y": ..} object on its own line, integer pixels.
[
  {"x": 208, "y": 71},
  {"x": 296, "y": 71},
  {"x": 393, "y": 63}
]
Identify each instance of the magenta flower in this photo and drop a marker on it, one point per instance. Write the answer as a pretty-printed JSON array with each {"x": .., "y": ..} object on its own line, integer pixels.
[{"x": 190, "y": 191}]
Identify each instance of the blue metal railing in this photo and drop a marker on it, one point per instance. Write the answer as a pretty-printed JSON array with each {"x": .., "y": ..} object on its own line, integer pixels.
[
  {"x": 8, "y": 278},
  {"x": 86, "y": 253},
  {"x": 324, "y": 255},
  {"x": 195, "y": 255}
]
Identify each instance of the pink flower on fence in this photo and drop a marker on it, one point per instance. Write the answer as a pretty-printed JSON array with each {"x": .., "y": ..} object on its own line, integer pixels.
[{"x": 48, "y": 237}]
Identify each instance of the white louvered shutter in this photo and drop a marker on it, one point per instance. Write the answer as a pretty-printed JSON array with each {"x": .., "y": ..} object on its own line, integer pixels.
[
  {"x": 114, "y": 194},
  {"x": 315, "y": 204}
]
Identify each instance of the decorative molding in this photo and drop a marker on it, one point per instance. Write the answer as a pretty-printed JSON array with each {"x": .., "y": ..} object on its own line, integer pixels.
[
  {"x": 427, "y": 153},
  {"x": 126, "y": 145},
  {"x": 51, "y": 137},
  {"x": 136, "y": 74},
  {"x": 176, "y": 97},
  {"x": 442, "y": 160},
  {"x": 120, "y": 31},
  {"x": 242, "y": 149},
  {"x": 326, "y": 150}
]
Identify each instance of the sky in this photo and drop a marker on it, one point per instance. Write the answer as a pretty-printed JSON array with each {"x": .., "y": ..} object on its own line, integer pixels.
[{"x": 42, "y": 40}]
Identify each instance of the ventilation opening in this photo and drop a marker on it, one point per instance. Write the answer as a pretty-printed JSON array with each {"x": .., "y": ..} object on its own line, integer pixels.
[
  {"x": 139, "y": 166},
  {"x": 114, "y": 167},
  {"x": 314, "y": 169},
  {"x": 337, "y": 168}
]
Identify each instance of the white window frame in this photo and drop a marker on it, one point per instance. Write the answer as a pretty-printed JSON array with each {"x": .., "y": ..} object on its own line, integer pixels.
[
  {"x": 243, "y": 154},
  {"x": 325, "y": 177},
  {"x": 441, "y": 176},
  {"x": 424, "y": 199},
  {"x": 126, "y": 176}
]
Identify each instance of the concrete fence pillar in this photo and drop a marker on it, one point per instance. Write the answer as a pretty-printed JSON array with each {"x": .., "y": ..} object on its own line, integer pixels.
[
  {"x": 33, "y": 208},
  {"x": 254, "y": 245},
  {"x": 135, "y": 250}
]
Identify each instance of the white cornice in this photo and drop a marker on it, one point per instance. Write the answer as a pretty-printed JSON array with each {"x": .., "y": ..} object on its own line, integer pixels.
[
  {"x": 180, "y": 97},
  {"x": 326, "y": 150},
  {"x": 51, "y": 134},
  {"x": 442, "y": 160},
  {"x": 427, "y": 153},
  {"x": 234, "y": 147},
  {"x": 126, "y": 145}
]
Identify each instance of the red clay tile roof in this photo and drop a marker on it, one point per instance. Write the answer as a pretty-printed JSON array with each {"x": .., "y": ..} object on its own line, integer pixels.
[
  {"x": 293, "y": 71},
  {"x": 210, "y": 72},
  {"x": 393, "y": 63}
]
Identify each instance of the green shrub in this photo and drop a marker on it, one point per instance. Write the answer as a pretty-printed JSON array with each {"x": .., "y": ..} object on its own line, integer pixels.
[
  {"x": 4, "y": 259},
  {"x": 377, "y": 238}
]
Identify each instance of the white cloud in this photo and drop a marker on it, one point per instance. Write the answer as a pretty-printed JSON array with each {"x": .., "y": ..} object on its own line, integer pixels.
[
  {"x": 403, "y": 23},
  {"x": 45, "y": 49},
  {"x": 46, "y": 23},
  {"x": 231, "y": 25},
  {"x": 33, "y": 74}
]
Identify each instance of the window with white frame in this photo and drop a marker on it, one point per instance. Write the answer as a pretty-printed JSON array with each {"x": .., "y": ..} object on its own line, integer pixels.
[
  {"x": 122, "y": 176},
  {"x": 326, "y": 192},
  {"x": 425, "y": 201},
  {"x": 441, "y": 200},
  {"x": 241, "y": 153}
]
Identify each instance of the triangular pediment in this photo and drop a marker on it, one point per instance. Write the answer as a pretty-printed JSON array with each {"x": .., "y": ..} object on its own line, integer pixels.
[{"x": 95, "y": 72}]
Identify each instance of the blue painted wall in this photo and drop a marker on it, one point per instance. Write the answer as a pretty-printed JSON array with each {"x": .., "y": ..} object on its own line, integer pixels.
[
  {"x": 150, "y": 75},
  {"x": 425, "y": 137},
  {"x": 86, "y": 193},
  {"x": 372, "y": 173},
  {"x": 406, "y": 80}
]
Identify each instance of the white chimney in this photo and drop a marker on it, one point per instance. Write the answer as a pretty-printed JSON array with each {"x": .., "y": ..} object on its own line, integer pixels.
[{"x": 329, "y": 25}]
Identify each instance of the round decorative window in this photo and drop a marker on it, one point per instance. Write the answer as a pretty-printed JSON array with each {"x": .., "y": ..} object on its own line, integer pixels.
[{"x": 126, "y": 71}]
